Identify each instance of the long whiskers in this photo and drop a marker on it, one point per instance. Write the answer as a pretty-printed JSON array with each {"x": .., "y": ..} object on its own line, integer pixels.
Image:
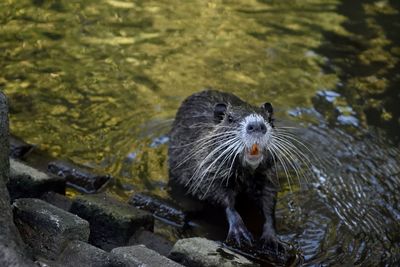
[
  {"x": 215, "y": 153},
  {"x": 205, "y": 168},
  {"x": 203, "y": 144},
  {"x": 292, "y": 154}
]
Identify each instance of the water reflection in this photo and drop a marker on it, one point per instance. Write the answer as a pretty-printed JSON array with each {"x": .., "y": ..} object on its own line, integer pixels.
[
  {"x": 99, "y": 83},
  {"x": 366, "y": 58}
]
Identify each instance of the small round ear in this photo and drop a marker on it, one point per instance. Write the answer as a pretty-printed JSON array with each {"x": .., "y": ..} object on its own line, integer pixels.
[
  {"x": 268, "y": 108},
  {"x": 219, "y": 112}
]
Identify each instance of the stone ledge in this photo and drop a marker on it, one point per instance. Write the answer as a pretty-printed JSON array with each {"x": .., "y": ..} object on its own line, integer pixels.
[
  {"x": 152, "y": 241},
  {"x": 201, "y": 252},
  {"x": 12, "y": 252},
  {"x": 58, "y": 200},
  {"x": 4, "y": 139},
  {"x": 144, "y": 255},
  {"x": 26, "y": 181},
  {"x": 19, "y": 149},
  {"x": 161, "y": 208},
  {"x": 112, "y": 223},
  {"x": 79, "y": 177},
  {"x": 78, "y": 253},
  {"x": 47, "y": 229}
]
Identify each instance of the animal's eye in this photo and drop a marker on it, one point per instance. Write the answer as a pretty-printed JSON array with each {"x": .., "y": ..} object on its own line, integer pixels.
[{"x": 230, "y": 118}]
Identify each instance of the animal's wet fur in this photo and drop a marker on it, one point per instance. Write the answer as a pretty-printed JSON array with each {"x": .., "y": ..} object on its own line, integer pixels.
[
  {"x": 191, "y": 153},
  {"x": 194, "y": 121}
]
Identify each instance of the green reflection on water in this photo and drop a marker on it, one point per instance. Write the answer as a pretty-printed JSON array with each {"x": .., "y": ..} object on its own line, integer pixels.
[
  {"x": 85, "y": 79},
  {"x": 95, "y": 81}
]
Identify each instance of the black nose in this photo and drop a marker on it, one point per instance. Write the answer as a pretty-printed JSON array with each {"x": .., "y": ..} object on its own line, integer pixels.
[{"x": 256, "y": 127}]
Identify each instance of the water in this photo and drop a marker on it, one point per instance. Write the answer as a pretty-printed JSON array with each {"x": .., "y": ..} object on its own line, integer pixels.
[{"x": 99, "y": 82}]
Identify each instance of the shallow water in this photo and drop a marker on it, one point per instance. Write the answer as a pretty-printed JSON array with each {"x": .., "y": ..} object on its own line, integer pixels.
[{"x": 99, "y": 82}]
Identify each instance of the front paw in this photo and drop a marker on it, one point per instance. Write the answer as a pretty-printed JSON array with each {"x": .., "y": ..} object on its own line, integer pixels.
[
  {"x": 239, "y": 236},
  {"x": 274, "y": 244}
]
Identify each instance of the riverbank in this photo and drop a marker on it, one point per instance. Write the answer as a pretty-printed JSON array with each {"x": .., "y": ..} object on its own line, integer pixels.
[{"x": 40, "y": 226}]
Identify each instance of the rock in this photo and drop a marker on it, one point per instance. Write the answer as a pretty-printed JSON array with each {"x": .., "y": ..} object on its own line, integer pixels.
[
  {"x": 328, "y": 96},
  {"x": 152, "y": 241},
  {"x": 309, "y": 115},
  {"x": 270, "y": 256},
  {"x": 26, "y": 181},
  {"x": 79, "y": 253},
  {"x": 4, "y": 139},
  {"x": 12, "y": 255},
  {"x": 325, "y": 102},
  {"x": 47, "y": 229},
  {"x": 47, "y": 263},
  {"x": 12, "y": 252},
  {"x": 144, "y": 255},
  {"x": 205, "y": 253},
  {"x": 159, "y": 207},
  {"x": 335, "y": 108},
  {"x": 158, "y": 141},
  {"x": 112, "y": 223},
  {"x": 19, "y": 149},
  {"x": 348, "y": 120},
  {"x": 79, "y": 177},
  {"x": 57, "y": 200}
]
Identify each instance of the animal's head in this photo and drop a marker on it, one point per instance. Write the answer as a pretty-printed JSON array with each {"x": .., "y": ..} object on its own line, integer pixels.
[{"x": 250, "y": 130}]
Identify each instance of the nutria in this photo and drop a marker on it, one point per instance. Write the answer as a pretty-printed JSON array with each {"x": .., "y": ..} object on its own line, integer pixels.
[{"x": 221, "y": 146}]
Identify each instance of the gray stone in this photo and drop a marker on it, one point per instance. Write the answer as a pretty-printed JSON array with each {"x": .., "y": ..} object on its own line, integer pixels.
[
  {"x": 79, "y": 177},
  {"x": 144, "y": 255},
  {"x": 80, "y": 254},
  {"x": 47, "y": 263},
  {"x": 4, "y": 139},
  {"x": 47, "y": 229},
  {"x": 202, "y": 252},
  {"x": 19, "y": 149},
  {"x": 12, "y": 251},
  {"x": 11, "y": 254},
  {"x": 161, "y": 208},
  {"x": 112, "y": 223},
  {"x": 335, "y": 108},
  {"x": 152, "y": 241},
  {"x": 58, "y": 200},
  {"x": 26, "y": 181}
]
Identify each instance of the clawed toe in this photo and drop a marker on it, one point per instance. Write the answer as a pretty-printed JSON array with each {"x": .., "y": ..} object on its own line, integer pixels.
[
  {"x": 275, "y": 245},
  {"x": 239, "y": 236}
]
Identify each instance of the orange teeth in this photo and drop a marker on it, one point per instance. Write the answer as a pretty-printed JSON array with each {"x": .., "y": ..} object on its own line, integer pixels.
[{"x": 254, "y": 150}]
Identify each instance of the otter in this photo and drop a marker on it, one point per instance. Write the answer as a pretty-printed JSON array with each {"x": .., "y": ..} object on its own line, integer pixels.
[{"x": 220, "y": 147}]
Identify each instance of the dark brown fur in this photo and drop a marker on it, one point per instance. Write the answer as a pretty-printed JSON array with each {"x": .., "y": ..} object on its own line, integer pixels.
[{"x": 195, "y": 119}]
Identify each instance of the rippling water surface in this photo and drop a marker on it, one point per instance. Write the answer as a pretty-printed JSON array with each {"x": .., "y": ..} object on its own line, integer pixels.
[{"x": 99, "y": 82}]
